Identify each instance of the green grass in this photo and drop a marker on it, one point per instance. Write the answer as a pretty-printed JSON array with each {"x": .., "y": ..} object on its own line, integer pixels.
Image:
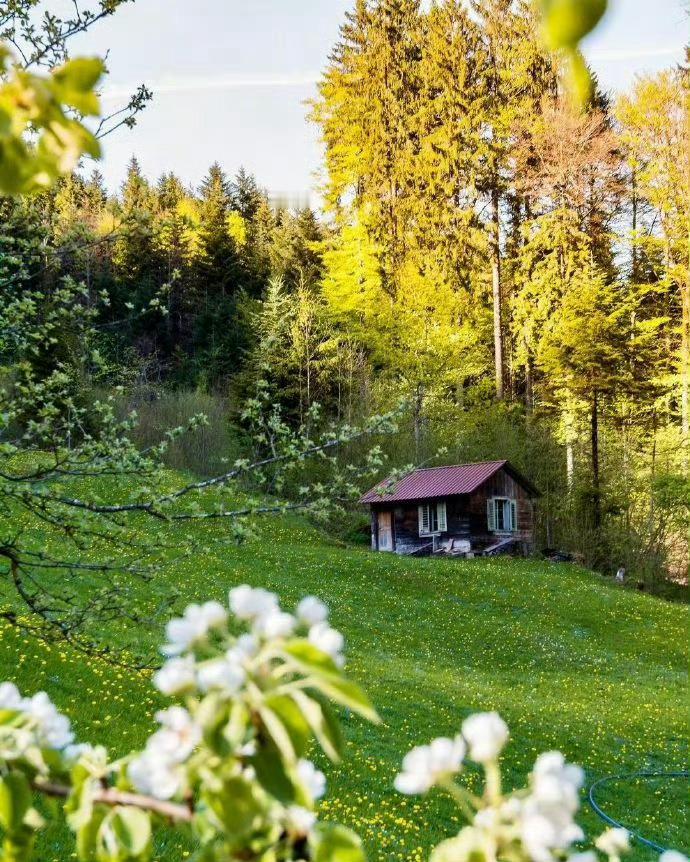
[{"x": 569, "y": 660}]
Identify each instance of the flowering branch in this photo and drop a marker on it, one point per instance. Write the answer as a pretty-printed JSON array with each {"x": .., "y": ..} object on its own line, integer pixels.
[{"x": 227, "y": 758}]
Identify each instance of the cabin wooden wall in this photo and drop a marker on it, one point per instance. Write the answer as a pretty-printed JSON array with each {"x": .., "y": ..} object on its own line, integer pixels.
[
  {"x": 465, "y": 515},
  {"x": 502, "y": 485}
]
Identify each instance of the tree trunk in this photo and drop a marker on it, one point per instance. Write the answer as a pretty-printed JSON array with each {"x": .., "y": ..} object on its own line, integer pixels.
[
  {"x": 529, "y": 385},
  {"x": 496, "y": 289},
  {"x": 685, "y": 370},
  {"x": 596, "y": 495},
  {"x": 417, "y": 419},
  {"x": 634, "y": 253},
  {"x": 569, "y": 449}
]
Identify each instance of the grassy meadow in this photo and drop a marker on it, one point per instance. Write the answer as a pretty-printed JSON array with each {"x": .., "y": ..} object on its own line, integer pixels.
[{"x": 568, "y": 659}]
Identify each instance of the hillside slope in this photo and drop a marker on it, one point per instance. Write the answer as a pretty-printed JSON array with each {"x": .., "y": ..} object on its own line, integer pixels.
[{"x": 569, "y": 660}]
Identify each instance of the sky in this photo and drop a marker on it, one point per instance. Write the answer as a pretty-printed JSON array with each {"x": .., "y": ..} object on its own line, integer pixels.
[{"x": 231, "y": 78}]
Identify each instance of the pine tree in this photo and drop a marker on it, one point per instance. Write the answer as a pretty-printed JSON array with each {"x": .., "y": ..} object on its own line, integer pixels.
[
  {"x": 138, "y": 268},
  {"x": 245, "y": 195},
  {"x": 220, "y": 327},
  {"x": 217, "y": 265}
]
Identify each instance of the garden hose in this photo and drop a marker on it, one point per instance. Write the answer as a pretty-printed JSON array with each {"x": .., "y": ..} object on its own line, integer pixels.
[{"x": 623, "y": 777}]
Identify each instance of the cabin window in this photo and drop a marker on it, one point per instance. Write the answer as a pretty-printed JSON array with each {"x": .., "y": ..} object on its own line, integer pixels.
[
  {"x": 432, "y": 519},
  {"x": 501, "y": 515}
]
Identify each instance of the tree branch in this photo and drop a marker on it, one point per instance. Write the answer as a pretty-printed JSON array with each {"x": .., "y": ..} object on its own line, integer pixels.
[{"x": 111, "y": 796}]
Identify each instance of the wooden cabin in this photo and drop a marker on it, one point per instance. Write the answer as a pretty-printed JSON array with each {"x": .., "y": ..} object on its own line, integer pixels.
[{"x": 463, "y": 510}]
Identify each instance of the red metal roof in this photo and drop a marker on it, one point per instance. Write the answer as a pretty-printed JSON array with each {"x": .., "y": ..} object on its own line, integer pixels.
[{"x": 432, "y": 482}]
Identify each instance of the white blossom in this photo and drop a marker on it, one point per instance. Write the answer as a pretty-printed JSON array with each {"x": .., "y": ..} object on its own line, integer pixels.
[
  {"x": 672, "y": 856},
  {"x": 555, "y": 782},
  {"x": 328, "y": 640},
  {"x": 614, "y": 841},
  {"x": 176, "y": 676},
  {"x": 539, "y": 836},
  {"x": 249, "y": 603},
  {"x": 311, "y": 611},
  {"x": 485, "y": 733},
  {"x": 154, "y": 777},
  {"x": 585, "y": 856},
  {"x": 299, "y": 820},
  {"x": 313, "y": 779},
  {"x": 10, "y": 698},
  {"x": 73, "y": 753},
  {"x": 427, "y": 765},
  {"x": 246, "y": 647},
  {"x": 53, "y": 728},
  {"x": 221, "y": 673},
  {"x": 178, "y": 737},
  {"x": 275, "y": 624},
  {"x": 157, "y": 770},
  {"x": 193, "y": 626},
  {"x": 546, "y": 817}
]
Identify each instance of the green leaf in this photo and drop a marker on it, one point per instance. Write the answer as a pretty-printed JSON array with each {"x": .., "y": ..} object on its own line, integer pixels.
[
  {"x": 334, "y": 843},
  {"x": 579, "y": 79},
  {"x": 272, "y": 775},
  {"x": 286, "y": 725},
  {"x": 323, "y": 723},
  {"x": 568, "y": 21},
  {"x": 349, "y": 694},
  {"x": 329, "y": 680},
  {"x": 237, "y": 806},
  {"x": 124, "y": 833},
  {"x": 87, "y": 835},
  {"x": 15, "y": 800},
  {"x": 74, "y": 84},
  {"x": 132, "y": 827},
  {"x": 18, "y": 847},
  {"x": 310, "y": 656}
]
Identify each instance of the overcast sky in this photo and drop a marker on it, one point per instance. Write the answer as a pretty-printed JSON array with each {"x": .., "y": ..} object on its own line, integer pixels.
[{"x": 231, "y": 77}]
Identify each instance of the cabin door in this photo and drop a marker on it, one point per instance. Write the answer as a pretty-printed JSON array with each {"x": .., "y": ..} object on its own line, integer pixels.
[{"x": 385, "y": 531}]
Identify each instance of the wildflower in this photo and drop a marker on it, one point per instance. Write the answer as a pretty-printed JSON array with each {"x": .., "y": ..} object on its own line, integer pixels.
[
  {"x": 486, "y": 733},
  {"x": 613, "y": 842},
  {"x": 311, "y": 611},
  {"x": 221, "y": 673},
  {"x": 275, "y": 624},
  {"x": 311, "y": 778},
  {"x": 249, "y": 603},
  {"x": 176, "y": 676},
  {"x": 427, "y": 765},
  {"x": 328, "y": 640}
]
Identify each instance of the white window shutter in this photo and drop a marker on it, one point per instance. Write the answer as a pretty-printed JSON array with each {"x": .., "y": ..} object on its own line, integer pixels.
[
  {"x": 491, "y": 514},
  {"x": 423, "y": 520},
  {"x": 513, "y": 515},
  {"x": 441, "y": 516}
]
